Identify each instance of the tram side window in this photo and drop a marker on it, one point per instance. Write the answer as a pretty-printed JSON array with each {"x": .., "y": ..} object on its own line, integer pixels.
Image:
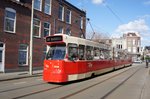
[
  {"x": 101, "y": 54},
  {"x": 106, "y": 54},
  {"x": 89, "y": 53},
  {"x": 96, "y": 53},
  {"x": 72, "y": 51},
  {"x": 81, "y": 52}
]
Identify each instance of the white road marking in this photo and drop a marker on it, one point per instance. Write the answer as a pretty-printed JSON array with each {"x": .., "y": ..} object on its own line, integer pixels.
[{"x": 18, "y": 83}]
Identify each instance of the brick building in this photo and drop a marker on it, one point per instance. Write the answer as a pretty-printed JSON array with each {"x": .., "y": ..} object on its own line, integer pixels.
[{"x": 50, "y": 17}]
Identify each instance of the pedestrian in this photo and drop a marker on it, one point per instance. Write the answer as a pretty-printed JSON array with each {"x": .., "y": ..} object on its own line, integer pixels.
[{"x": 147, "y": 63}]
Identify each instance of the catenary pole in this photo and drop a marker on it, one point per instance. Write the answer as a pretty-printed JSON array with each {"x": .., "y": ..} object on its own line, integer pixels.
[{"x": 31, "y": 40}]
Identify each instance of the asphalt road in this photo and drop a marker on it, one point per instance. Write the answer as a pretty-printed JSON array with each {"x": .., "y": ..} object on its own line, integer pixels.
[{"x": 128, "y": 83}]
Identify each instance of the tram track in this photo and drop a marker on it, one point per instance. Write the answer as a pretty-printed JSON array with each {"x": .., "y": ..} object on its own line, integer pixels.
[
  {"x": 29, "y": 86},
  {"x": 81, "y": 90},
  {"x": 112, "y": 90},
  {"x": 21, "y": 87},
  {"x": 108, "y": 93},
  {"x": 36, "y": 92}
]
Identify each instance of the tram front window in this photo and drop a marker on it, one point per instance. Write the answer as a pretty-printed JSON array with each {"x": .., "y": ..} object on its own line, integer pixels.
[{"x": 56, "y": 52}]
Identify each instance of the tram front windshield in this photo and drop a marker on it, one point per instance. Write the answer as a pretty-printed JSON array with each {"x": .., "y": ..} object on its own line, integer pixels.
[{"x": 56, "y": 52}]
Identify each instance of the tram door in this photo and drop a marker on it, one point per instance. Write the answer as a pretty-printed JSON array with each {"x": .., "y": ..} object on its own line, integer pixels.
[{"x": 1, "y": 57}]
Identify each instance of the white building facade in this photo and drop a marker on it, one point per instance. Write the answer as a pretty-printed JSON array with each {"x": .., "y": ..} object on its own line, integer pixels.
[{"x": 130, "y": 42}]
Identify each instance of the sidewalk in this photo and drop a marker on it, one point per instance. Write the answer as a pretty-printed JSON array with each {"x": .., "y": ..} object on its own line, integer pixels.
[
  {"x": 146, "y": 88},
  {"x": 19, "y": 75}
]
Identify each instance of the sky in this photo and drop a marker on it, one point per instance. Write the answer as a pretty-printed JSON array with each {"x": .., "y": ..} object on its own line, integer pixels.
[{"x": 112, "y": 18}]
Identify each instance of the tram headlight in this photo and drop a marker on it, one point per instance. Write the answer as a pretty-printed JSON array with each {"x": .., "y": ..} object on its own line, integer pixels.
[{"x": 47, "y": 66}]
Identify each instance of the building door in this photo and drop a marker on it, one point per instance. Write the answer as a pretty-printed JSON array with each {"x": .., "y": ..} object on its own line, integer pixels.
[{"x": 1, "y": 57}]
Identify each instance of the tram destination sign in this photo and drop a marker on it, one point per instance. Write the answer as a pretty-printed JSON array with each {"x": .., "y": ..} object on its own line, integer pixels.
[{"x": 54, "y": 39}]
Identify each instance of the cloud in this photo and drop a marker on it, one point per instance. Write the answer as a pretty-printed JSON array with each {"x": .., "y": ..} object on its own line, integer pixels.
[
  {"x": 136, "y": 25},
  {"x": 147, "y": 2},
  {"x": 147, "y": 16},
  {"x": 97, "y": 1}
]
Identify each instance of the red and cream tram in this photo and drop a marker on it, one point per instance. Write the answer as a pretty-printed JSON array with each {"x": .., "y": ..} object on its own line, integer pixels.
[{"x": 70, "y": 58}]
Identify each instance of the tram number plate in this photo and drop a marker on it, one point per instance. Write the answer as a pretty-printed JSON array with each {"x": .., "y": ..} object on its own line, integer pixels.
[{"x": 90, "y": 65}]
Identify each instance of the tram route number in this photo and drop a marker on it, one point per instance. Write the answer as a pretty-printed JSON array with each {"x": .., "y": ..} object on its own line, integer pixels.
[{"x": 54, "y": 39}]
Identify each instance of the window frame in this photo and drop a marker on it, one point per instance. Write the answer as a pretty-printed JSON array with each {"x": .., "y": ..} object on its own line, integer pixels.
[
  {"x": 89, "y": 56},
  {"x": 129, "y": 49},
  {"x": 81, "y": 47},
  {"x": 45, "y": 28},
  {"x": 68, "y": 16},
  {"x": 40, "y": 9},
  {"x": 62, "y": 13},
  {"x": 53, "y": 52},
  {"x": 74, "y": 55},
  {"x": 134, "y": 49},
  {"x": 68, "y": 31},
  {"x": 62, "y": 30},
  {"x": 44, "y": 52},
  {"x": 14, "y": 20},
  {"x": 23, "y": 50},
  {"x": 96, "y": 52},
  {"x": 81, "y": 22},
  {"x": 50, "y": 7},
  {"x": 38, "y": 27}
]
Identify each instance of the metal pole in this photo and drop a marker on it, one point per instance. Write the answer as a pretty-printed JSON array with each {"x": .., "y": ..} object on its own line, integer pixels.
[
  {"x": 31, "y": 39},
  {"x": 113, "y": 53}
]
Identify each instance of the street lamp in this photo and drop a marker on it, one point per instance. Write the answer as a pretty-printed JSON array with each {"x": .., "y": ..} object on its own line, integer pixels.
[{"x": 31, "y": 40}]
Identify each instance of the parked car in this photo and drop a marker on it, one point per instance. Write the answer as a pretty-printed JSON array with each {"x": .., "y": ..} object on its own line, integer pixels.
[{"x": 137, "y": 61}]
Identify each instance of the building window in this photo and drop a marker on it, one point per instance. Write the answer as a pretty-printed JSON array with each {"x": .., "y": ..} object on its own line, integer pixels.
[
  {"x": 47, "y": 8},
  {"x": 81, "y": 22},
  {"x": 44, "y": 52},
  {"x": 68, "y": 16},
  {"x": 117, "y": 46},
  {"x": 46, "y": 29},
  {"x": 61, "y": 13},
  {"x": 134, "y": 42},
  {"x": 129, "y": 42},
  {"x": 138, "y": 49},
  {"x": 138, "y": 43},
  {"x": 23, "y": 54},
  {"x": 10, "y": 20},
  {"x": 68, "y": 31},
  {"x": 38, "y": 4},
  {"x": 129, "y": 49},
  {"x": 120, "y": 46},
  {"x": 60, "y": 30},
  {"x": 36, "y": 27},
  {"x": 134, "y": 50}
]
